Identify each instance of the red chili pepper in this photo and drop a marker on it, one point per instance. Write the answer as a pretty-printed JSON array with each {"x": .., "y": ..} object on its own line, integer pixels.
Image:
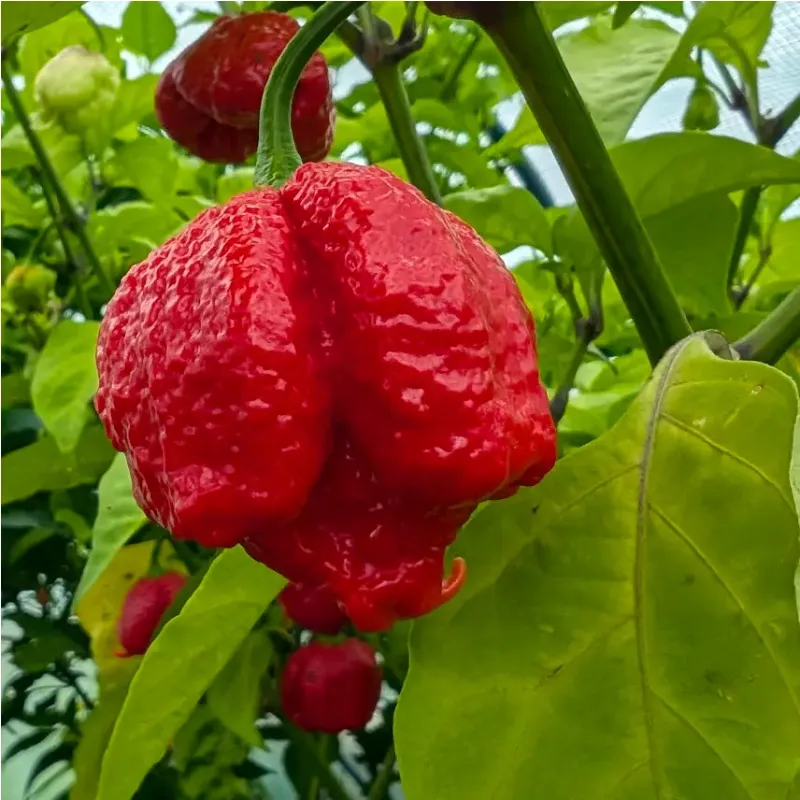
[
  {"x": 331, "y": 688},
  {"x": 313, "y": 607},
  {"x": 334, "y": 373},
  {"x": 208, "y": 98},
  {"x": 143, "y": 609}
]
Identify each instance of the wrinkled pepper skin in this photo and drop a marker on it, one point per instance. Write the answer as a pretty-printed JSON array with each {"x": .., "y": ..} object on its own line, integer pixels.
[
  {"x": 334, "y": 374},
  {"x": 208, "y": 98},
  {"x": 143, "y": 609},
  {"x": 313, "y": 608},
  {"x": 331, "y": 688}
]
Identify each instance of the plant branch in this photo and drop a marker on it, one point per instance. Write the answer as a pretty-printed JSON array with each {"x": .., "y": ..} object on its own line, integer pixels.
[
  {"x": 587, "y": 329},
  {"x": 747, "y": 212},
  {"x": 383, "y": 779},
  {"x": 742, "y": 294},
  {"x": 451, "y": 81},
  {"x": 768, "y": 341},
  {"x": 326, "y": 777},
  {"x": 394, "y": 97},
  {"x": 80, "y": 290},
  {"x": 777, "y": 127},
  {"x": 528, "y": 46},
  {"x": 71, "y": 216}
]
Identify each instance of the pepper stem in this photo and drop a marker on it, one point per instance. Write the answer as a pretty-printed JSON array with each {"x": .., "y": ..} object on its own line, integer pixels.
[{"x": 277, "y": 157}]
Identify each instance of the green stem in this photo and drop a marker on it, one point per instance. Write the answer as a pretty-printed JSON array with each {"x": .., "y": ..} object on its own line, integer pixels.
[
  {"x": 747, "y": 212},
  {"x": 80, "y": 290},
  {"x": 768, "y": 341},
  {"x": 777, "y": 127},
  {"x": 64, "y": 202},
  {"x": 393, "y": 94},
  {"x": 451, "y": 82},
  {"x": 742, "y": 294},
  {"x": 529, "y": 48},
  {"x": 277, "y": 157},
  {"x": 383, "y": 780},
  {"x": 326, "y": 777}
]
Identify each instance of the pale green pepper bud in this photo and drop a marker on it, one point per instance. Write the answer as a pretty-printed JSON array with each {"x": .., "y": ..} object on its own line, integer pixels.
[
  {"x": 29, "y": 287},
  {"x": 78, "y": 88},
  {"x": 702, "y": 112}
]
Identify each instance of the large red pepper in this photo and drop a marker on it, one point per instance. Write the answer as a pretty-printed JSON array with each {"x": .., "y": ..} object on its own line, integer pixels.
[
  {"x": 334, "y": 373},
  {"x": 208, "y": 98}
]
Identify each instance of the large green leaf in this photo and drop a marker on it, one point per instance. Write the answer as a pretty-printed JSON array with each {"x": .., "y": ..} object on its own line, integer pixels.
[
  {"x": 665, "y": 170},
  {"x": 22, "y": 17},
  {"x": 148, "y": 29},
  {"x": 628, "y": 629},
  {"x": 65, "y": 380},
  {"x": 735, "y": 32},
  {"x": 615, "y": 72},
  {"x": 42, "y": 467},
  {"x": 118, "y": 518},
  {"x": 676, "y": 181},
  {"x": 506, "y": 216},
  {"x": 182, "y": 663},
  {"x": 235, "y": 696}
]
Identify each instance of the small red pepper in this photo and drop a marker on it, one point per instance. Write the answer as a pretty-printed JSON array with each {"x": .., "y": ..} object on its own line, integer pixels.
[
  {"x": 208, "y": 98},
  {"x": 143, "y": 609},
  {"x": 331, "y": 688},
  {"x": 313, "y": 608}
]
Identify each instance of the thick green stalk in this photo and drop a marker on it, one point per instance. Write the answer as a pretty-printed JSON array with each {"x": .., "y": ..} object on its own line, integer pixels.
[
  {"x": 527, "y": 45},
  {"x": 64, "y": 201},
  {"x": 277, "y": 157},
  {"x": 775, "y": 335},
  {"x": 398, "y": 109}
]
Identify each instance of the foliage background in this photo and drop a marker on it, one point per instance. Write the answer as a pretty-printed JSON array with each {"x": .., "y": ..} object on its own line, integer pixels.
[{"x": 138, "y": 188}]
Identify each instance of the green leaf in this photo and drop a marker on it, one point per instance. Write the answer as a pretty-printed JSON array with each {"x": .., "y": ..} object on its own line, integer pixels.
[
  {"x": 118, "y": 518},
  {"x": 23, "y": 17},
  {"x": 65, "y": 380},
  {"x": 116, "y": 228},
  {"x": 150, "y": 165},
  {"x": 664, "y": 172},
  {"x": 558, "y": 14},
  {"x": 42, "y": 467},
  {"x": 631, "y": 617},
  {"x": 148, "y": 29},
  {"x": 694, "y": 241},
  {"x": 134, "y": 101},
  {"x": 18, "y": 208},
  {"x": 506, "y": 216},
  {"x": 735, "y": 32},
  {"x": 233, "y": 183},
  {"x": 235, "y": 695},
  {"x": 64, "y": 149},
  {"x": 615, "y": 72},
  {"x": 785, "y": 242},
  {"x": 668, "y": 169},
  {"x": 96, "y": 730},
  {"x": 182, "y": 663}
]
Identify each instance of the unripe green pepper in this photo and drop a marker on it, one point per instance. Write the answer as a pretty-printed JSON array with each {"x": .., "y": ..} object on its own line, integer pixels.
[
  {"x": 78, "y": 88},
  {"x": 29, "y": 287},
  {"x": 702, "y": 112}
]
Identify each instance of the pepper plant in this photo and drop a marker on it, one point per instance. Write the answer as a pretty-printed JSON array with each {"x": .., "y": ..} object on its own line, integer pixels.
[{"x": 623, "y": 626}]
